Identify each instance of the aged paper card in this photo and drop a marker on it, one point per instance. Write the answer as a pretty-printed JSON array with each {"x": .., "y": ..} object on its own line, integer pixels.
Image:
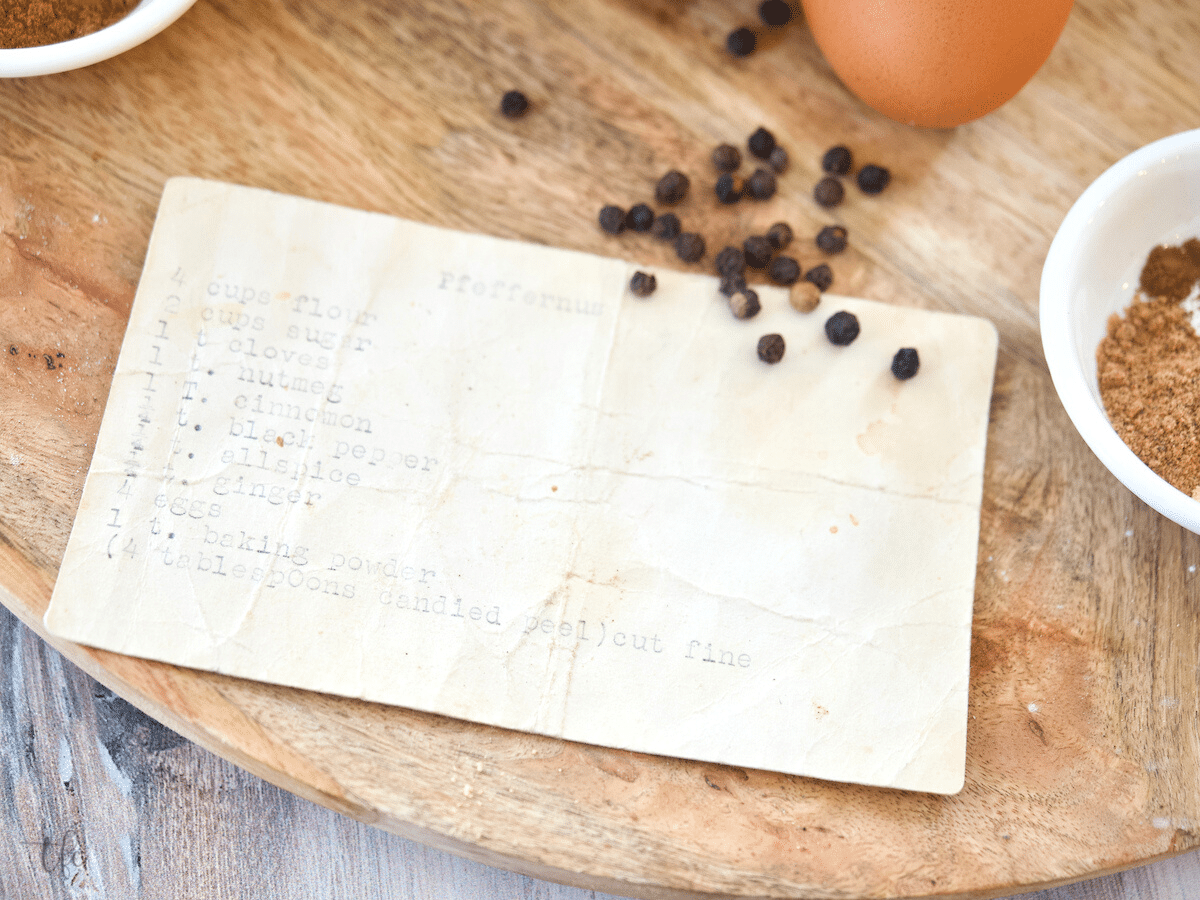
[{"x": 359, "y": 455}]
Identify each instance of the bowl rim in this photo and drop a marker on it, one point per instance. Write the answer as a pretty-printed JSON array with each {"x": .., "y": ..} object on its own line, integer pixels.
[
  {"x": 1066, "y": 369},
  {"x": 140, "y": 24}
]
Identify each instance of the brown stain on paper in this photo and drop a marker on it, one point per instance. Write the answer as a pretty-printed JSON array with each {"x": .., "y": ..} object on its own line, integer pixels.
[{"x": 876, "y": 439}]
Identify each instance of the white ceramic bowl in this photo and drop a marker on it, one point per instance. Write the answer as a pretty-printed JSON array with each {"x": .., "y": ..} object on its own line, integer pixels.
[
  {"x": 1148, "y": 198},
  {"x": 147, "y": 19}
]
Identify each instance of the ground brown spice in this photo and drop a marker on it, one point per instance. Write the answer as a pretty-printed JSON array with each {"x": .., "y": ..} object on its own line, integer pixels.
[
  {"x": 41, "y": 22},
  {"x": 1149, "y": 369}
]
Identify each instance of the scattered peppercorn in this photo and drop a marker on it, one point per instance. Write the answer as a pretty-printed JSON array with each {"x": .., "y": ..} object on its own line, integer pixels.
[
  {"x": 689, "y": 246},
  {"x": 832, "y": 239},
  {"x": 761, "y": 143},
  {"x": 784, "y": 270},
  {"x": 837, "y": 160},
  {"x": 761, "y": 185},
  {"x": 514, "y": 104},
  {"x": 727, "y": 158},
  {"x": 728, "y": 188},
  {"x": 745, "y": 304},
  {"x": 774, "y": 13},
  {"x": 905, "y": 363},
  {"x": 873, "y": 179},
  {"x": 804, "y": 296},
  {"x": 671, "y": 188},
  {"x": 741, "y": 42},
  {"x": 780, "y": 235},
  {"x": 758, "y": 251},
  {"x": 771, "y": 347},
  {"x": 612, "y": 219},
  {"x": 778, "y": 160},
  {"x": 841, "y": 328},
  {"x": 820, "y": 275},
  {"x": 666, "y": 227},
  {"x": 639, "y": 218},
  {"x": 642, "y": 285},
  {"x": 829, "y": 192},
  {"x": 731, "y": 261},
  {"x": 732, "y": 283}
]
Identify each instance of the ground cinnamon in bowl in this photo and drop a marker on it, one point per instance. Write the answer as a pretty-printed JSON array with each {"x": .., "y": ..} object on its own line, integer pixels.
[
  {"x": 1148, "y": 366},
  {"x": 41, "y": 22}
]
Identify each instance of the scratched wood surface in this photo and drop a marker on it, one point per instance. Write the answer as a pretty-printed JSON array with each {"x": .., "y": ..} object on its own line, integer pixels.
[
  {"x": 100, "y": 801},
  {"x": 1084, "y": 731}
]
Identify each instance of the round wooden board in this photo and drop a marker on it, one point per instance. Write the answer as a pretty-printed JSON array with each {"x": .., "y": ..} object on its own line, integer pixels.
[{"x": 1083, "y": 751}]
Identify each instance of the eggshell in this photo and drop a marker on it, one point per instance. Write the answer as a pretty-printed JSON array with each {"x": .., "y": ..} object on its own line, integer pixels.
[{"x": 936, "y": 63}]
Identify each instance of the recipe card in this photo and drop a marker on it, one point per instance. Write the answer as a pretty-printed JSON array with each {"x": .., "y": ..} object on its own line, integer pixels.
[{"x": 477, "y": 477}]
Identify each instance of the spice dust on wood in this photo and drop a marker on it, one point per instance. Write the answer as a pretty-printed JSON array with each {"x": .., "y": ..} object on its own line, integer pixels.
[{"x": 1148, "y": 366}]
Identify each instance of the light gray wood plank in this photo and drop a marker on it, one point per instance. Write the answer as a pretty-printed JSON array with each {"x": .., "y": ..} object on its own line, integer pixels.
[{"x": 1177, "y": 878}]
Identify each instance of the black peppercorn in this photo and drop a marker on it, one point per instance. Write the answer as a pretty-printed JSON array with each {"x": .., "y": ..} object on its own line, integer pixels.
[
  {"x": 774, "y": 13},
  {"x": 761, "y": 143},
  {"x": 829, "y": 192},
  {"x": 873, "y": 179},
  {"x": 728, "y": 188},
  {"x": 731, "y": 261},
  {"x": 727, "y": 158},
  {"x": 732, "y": 283},
  {"x": 639, "y": 218},
  {"x": 841, "y": 328},
  {"x": 689, "y": 246},
  {"x": 671, "y": 188},
  {"x": 761, "y": 185},
  {"x": 744, "y": 304},
  {"x": 837, "y": 160},
  {"x": 832, "y": 239},
  {"x": 741, "y": 42},
  {"x": 905, "y": 363},
  {"x": 778, "y": 160},
  {"x": 821, "y": 276},
  {"x": 780, "y": 235},
  {"x": 612, "y": 219},
  {"x": 666, "y": 227},
  {"x": 758, "y": 251},
  {"x": 784, "y": 270},
  {"x": 642, "y": 285},
  {"x": 771, "y": 347},
  {"x": 514, "y": 104}
]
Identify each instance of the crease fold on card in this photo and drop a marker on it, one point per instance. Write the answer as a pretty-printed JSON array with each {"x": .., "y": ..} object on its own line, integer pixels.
[{"x": 355, "y": 454}]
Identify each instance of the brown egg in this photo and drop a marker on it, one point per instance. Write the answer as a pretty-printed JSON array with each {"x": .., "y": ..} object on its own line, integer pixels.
[{"x": 936, "y": 63}]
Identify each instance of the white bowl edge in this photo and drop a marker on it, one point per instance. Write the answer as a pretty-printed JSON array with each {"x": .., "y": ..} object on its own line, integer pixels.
[
  {"x": 139, "y": 25},
  {"x": 1061, "y": 339}
]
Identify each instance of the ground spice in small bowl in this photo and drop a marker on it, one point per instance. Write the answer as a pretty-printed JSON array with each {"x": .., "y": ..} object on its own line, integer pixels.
[
  {"x": 53, "y": 21},
  {"x": 1148, "y": 367}
]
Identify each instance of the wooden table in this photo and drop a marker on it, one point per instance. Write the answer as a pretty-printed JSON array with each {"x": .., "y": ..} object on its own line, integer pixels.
[
  {"x": 106, "y": 799},
  {"x": 1084, "y": 732}
]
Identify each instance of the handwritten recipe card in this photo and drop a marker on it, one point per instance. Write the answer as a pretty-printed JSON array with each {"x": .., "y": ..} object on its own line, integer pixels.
[{"x": 359, "y": 455}]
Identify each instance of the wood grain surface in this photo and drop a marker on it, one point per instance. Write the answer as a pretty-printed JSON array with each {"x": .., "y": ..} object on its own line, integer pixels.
[
  {"x": 1083, "y": 752},
  {"x": 98, "y": 800}
]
